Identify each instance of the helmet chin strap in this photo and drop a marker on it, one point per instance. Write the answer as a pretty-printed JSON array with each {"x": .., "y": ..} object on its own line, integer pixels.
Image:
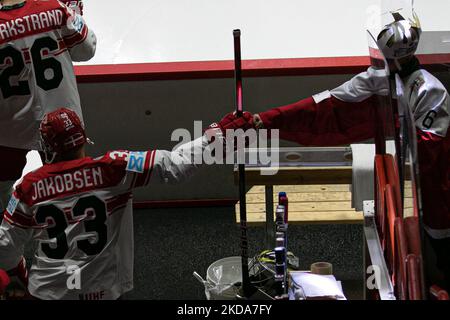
[
  {"x": 47, "y": 159},
  {"x": 398, "y": 65}
]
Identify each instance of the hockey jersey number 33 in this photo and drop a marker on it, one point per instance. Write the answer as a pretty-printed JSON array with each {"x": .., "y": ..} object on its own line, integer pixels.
[
  {"x": 38, "y": 42},
  {"x": 79, "y": 214}
]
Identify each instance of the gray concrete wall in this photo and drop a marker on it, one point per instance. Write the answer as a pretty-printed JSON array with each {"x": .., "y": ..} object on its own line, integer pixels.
[{"x": 116, "y": 118}]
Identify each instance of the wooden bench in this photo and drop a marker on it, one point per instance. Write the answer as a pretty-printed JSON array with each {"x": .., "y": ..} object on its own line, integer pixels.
[
  {"x": 308, "y": 204},
  {"x": 318, "y": 194}
]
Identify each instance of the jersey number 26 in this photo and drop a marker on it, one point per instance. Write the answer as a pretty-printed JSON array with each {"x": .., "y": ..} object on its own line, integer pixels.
[{"x": 48, "y": 71}]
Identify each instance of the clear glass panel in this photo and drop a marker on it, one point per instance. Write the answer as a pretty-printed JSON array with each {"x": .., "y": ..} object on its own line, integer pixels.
[
  {"x": 386, "y": 131},
  {"x": 408, "y": 156}
]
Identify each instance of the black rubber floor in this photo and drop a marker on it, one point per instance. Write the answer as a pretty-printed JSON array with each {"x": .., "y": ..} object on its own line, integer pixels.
[{"x": 172, "y": 243}]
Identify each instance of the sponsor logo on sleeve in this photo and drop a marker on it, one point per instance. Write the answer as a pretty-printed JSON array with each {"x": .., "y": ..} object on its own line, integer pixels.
[
  {"x": 12, "y": 205},
  {"x": 418, "y": 83},
  {"x": 78, "y": 24},
  {"x": 136, "y": 161}
]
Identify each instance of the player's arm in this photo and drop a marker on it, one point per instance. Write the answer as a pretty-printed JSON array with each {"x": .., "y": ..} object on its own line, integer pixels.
[
  {"x": 76, "y": 5},
  {"x": 79, "y": 39},
  {"x": 341, "y": 116},
  {"x": 12, "y": 241},
  {"x": 431, "y": 111},
  {"x": 431, "y": 108},
  {"x": 170, "y": 167},
  {"x": 15, "y": 232},
  {"x": 180, "y": 164}
]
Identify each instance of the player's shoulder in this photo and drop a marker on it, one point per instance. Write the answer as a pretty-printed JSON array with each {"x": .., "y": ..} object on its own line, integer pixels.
[
  {"x": 56, "y": 168},
  {"x": 372, "y": 78},
  {"x": 114, "y": 157},
  {"x": 25, "y": 16},
  {"x": 36, "y": 6},
  {"x": 425, "y": 82},
  {"x": 25, "y": 184},
  {"x": 132, "y": 161},
  {"x": 45, "y": 4}
]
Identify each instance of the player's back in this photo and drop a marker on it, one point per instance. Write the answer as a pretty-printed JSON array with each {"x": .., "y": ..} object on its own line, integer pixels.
[
  {"x": 38, "y": 42},
  {"x": 81, "y": 213}
]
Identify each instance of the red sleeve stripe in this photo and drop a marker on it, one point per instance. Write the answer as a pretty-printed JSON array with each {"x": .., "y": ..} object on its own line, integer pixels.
[
  {"x": 120, "y": 196},
  {"x": 18, "y": 215},
  {"x": 142, "y": 177},
  {"x": 17, "y": 211},
  {"x": 75, "y": 34},
  {"x": 133, "y": 181},
  {"x": 77, "y": 38},
  {"x": 60, "y": 52},
  {"x": 116, "y": 209},
  {"x": 152, "y": 163},
  {"x": 118, "y": 202},
  {"x": 18, "y": 222},
  {"x": 428, "y": 136},
  {"x": 22, "y": 219}
]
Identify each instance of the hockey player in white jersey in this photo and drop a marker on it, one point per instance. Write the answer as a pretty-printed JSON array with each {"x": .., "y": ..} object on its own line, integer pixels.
[
  {"x": 79, "y": 210},
  {"x": 346, "y": 115},
  {"x": 39, "y": 40}
]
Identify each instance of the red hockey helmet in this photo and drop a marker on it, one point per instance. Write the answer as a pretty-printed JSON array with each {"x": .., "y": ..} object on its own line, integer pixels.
[{"x": 62, "y": 131}]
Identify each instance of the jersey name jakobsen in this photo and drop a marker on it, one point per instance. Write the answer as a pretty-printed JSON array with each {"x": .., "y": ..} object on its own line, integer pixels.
[
  {"x": 77, "y": 180},
  {"x": 30, "y": 24}
]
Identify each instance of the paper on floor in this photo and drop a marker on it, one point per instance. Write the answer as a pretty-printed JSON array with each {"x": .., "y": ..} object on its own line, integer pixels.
[{"x": 316, "y": 286}]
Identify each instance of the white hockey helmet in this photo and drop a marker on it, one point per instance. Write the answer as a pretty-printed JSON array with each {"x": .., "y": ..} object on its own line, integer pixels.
[{"x": 400, "y": 38}]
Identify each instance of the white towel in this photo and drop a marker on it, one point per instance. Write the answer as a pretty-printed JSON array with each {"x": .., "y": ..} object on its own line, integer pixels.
[
  {"x": 309, "y": 285},
  {"x": 362, "y": 172}
]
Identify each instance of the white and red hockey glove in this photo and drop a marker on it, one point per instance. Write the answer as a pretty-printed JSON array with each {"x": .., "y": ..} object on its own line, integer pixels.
[
  {"x": 17, "y": 288},
  {"x": 230, "y": 122},
  {"x": 77, "y": 6},
  {"x": 218, "y": 130}
]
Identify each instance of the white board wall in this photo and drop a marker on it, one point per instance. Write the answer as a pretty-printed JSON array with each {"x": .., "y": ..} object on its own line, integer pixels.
[{"x": 197, "y": 30}]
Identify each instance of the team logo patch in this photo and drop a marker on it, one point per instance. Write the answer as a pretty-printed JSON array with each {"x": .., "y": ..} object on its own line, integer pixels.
[
  {"x": 78, "y": 24},
  {"x": 136, "y": 161},
  {"x": 12, "y": 205},
  {"x": 419, "y": 82}
]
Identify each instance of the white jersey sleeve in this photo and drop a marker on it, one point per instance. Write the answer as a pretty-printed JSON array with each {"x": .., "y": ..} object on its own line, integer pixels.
[
  {"x": 363, "y": 86},
  {"x": 79, "y": 39},
  {"x": 15, "y": 232},
  {"x": 429, "y": 102},
  {"x": 178, "y": 165},
  {"x": 428, "y": 98},
  {"x": 143, "y": 168}
]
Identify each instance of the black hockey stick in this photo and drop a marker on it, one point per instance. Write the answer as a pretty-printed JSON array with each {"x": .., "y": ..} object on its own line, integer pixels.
[{"x": 246, "y": 286}]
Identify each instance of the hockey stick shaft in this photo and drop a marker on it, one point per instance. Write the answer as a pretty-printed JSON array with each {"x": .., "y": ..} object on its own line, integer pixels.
[
  {"x": 238, "y": 71},
  {"x": 242, "y": 189}
]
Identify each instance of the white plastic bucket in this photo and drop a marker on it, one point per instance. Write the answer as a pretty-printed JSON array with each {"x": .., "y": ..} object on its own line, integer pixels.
[{"x": 221, "y": 277}]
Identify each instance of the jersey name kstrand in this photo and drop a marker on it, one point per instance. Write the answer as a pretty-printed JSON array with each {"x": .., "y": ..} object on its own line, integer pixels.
[
  {"x": 79, "y": 214},
  {"x": 30, "y": 24},
  {"x": 38, "y": 42}
]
